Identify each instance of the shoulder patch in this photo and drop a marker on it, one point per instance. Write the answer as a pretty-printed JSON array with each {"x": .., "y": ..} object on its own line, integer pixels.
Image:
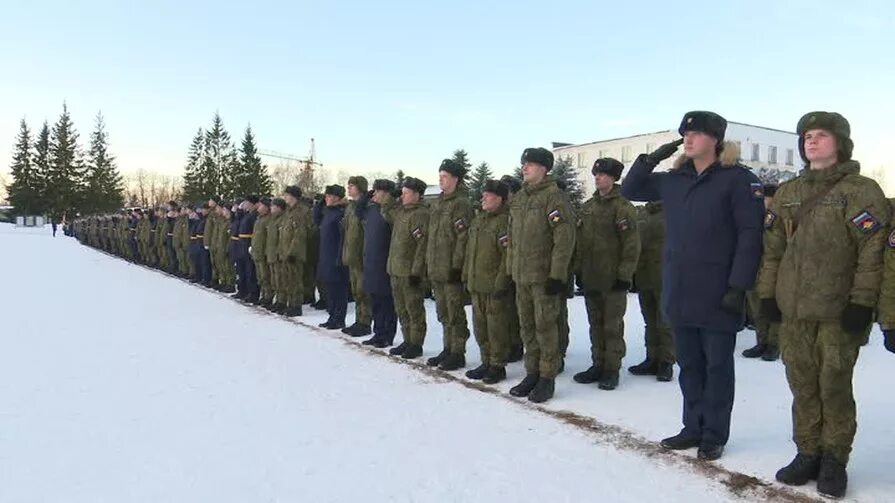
[
  {"x": 757, "y": 190},
  {"x": 892, "y": 239},
  {"x": 417, "y": 233},
  {"x": 769, "y": 218},
  {"x": 866, "y": 222},
  {"x": 504, "y": 239},
  {"x": 555, "y": 216},
  {"x": 623, "y": 225},
  {"x": 460, "y": 224}
]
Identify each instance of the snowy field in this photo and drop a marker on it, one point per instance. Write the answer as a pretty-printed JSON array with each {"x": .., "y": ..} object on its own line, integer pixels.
[{"x": 121, "y": 384}]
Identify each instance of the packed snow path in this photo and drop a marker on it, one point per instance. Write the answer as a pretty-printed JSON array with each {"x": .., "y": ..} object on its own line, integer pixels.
[{"x": 118, "y": 383}]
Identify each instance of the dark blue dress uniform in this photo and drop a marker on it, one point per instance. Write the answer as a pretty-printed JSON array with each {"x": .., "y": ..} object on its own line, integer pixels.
[
  {"x": 173, "y": 265},
  {"x": 376, "y": 283},
  {"x": 330, "y": 269},
  {"x": 198, "y": 253},
  {"x": 246, "y": 277},
  {"x": 233, "y": 251},
  {"x": 713, "y": 244}
]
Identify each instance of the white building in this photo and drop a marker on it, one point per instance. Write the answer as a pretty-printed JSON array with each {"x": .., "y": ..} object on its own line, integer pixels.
[{"x": 760, "y": 147}]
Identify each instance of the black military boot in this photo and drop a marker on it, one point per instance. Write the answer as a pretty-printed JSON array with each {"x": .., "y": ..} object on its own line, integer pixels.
[
  {"x": 543, "y": 391},
  {"x": 680, "y": 442},
  {"x": 358, "y": 330},
  {"x": 755, "y": 351},
  {"x": 798, "y": 472},
  {"x": 278, "y": 308},
  {"x": 525, "y": 387},
  {"x": 495, "y": 375},
  {"x": 371, "y": 341},
  {"x": 350, "y": 330},
  {"x": 320, "y": 305},
  {"x": 239, "y": 295},
  {"x": 382, "y": 343},
  {"x": 436, "y": 360},
  {"x": 608, "y": 380},
  {"x": 412, "y": 351},
  {"x": 399, "y": 349},
  {"x": 293, "y": 311},
  {"x": 252, "y": 298},
  {"x": 589, "y": 376},
  {"x": 709, "y": 452},
  {"x": 335, "y": 325},
  {"x": 454, "y": 361},
  {"x": 647, "y": 367},
  {"x": 325, "y": 324},
  {"x": 664, "y": 372},
  {"x": 478, "y": 373},
  {"x": 832, "y": 479},
  {"x": 516, "y": 353},
  {"x": 771, "y": 353}
]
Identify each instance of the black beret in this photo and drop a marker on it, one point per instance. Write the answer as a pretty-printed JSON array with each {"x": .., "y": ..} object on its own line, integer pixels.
[
  {"x": 497, "y": 187},
  {"x": 415, "y": 184},
  {"x": 709, "y": 123},
  {"x": 359, "y": 182},
  {"x": 386, "y": 185},
  {"x": 453, "y": 167},
  {"x": 512, "y": 182},
  {"x": 610, "y": 166},
  {"x": 294, "y": 191},
  {"x": 335, "y": 190},
  {"x": 538, "y": 155}
]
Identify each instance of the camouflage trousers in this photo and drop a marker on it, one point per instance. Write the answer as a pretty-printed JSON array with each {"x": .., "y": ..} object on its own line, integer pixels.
[
  {"x": 562, "y": 326},
  {"x": 449, "y": 305},
  {"x": 410, "y": 308},
  {"x": 659, "y": 338},
  {"x": 291, "y": 283},
  {"x": 276, "y": 291},
  {"x": 539, "y": 323},
  {"x": 820, "y": 358},
  {"x": 223, "y": 268},
  {"x": 491, "y": 327},
  {"x": 183, "y": 260},
  {"x": 262, "y": 270},
  {"x": 765, "y": 331},
  {"x": 362, "y": 312},
  {"x": 514, "y": 335},
  {"x": 606, "y": 314}
]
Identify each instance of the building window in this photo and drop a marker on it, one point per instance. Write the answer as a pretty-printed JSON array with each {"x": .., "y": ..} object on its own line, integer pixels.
[
  {"x": 756, "y": 150},
  {"x": 649, "y": 148},
  {"x": 626, "y": 154},
  {"x": 789, "y": 156},
  {"x": 772, "y": 154}
]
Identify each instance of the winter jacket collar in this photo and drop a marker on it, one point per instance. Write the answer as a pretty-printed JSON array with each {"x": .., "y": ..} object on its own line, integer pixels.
[
  {"x": 839, "y": 170},
  {"x": 530, "y": 188},
  {"x": 613, "y": 193}
]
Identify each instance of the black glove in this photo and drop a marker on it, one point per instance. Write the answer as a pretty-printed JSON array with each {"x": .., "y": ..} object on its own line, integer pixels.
[
  {"x": 771, "y": 311},
  {"x": 415, "y": 280},
  {"x": 556, "y": 287},
  {"x": 634, "y": 288},
  {"x": 579, "y": 282},
  {"x": 734, "y": 301},
  {"x": 856, "y": 318},
  {"x": 664, "y": 152},
  {"x": 500, "y": 294},
  {"x": 621, "y": 286},
  {"x": 291, "y": 259},
  {"x": 455, "y": 276},
  {"x": 890, "y": 340}
]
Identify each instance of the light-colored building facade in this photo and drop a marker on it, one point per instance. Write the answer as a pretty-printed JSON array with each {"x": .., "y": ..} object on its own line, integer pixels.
[{"x": 760, "y": 147}]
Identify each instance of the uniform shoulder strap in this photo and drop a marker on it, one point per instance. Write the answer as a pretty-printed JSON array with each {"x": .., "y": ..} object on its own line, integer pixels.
[{"x": 813, "y": 201}]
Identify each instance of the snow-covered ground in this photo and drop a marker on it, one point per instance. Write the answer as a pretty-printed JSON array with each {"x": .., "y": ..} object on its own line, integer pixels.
[{"x": 118, "y": 383}]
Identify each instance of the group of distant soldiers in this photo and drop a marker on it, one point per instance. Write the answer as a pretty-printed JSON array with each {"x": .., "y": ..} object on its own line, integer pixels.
[{"x": 518, "y": 253}]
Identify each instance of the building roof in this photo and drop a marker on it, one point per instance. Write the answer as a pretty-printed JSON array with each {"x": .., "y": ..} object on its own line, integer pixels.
[{"x": 560, "y": 145}]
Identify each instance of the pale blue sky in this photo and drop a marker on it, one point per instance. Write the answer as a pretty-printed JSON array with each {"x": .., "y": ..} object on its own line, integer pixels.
[{"x": 400, "y": 84}]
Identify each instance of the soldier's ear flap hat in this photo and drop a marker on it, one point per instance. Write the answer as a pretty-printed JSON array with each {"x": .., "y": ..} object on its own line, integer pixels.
[
  {"x": 335, "y": 190},
  {"x": 497, "y": 187},
  {"x": 610, "y": 166},
  {"x": 538, "y": 155},
  {"x": 415, "y": 184},
  {"x": 386, "y": 185},
  {"x": 709, "y": 123},
  {"x": 828, "y": 121},
  {"x": 359, "y": 182},
  {"x": 294, "y": 191},
  {"x": 453, "y": 168},
  {"x": 512, "y": 182},
  {"x": 279, "y": 202}
]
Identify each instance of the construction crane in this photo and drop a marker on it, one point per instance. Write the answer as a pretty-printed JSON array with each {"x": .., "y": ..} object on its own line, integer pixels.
[{"x": 308, "y": 163}]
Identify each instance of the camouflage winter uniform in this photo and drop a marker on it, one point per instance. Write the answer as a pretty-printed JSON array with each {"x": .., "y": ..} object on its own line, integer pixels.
[
  {"x": 353, "y": 257},
  {"x": 406, "y": 259},
  {"x": 648, "y": 281}
]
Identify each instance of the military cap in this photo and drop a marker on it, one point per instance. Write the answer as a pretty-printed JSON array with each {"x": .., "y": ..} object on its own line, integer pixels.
[{"x": 538, "y": 155}]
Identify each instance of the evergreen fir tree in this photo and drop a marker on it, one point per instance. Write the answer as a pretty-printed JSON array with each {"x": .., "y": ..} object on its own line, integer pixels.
[
  {"x": 480, "y": 175},
  {"x": 41, "y": 160},
  {"x": 216, "y": 169},
  {"x": 253, "y": 177},
  {"x": 567, "y": 177},
  {"x": 65, "y": 171},
  {"x": 24, "y": 193},
  {"x": 104, "y": 187},
  {"x": 462, "y": 158},
  {"x": 192, "y": 185}
]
